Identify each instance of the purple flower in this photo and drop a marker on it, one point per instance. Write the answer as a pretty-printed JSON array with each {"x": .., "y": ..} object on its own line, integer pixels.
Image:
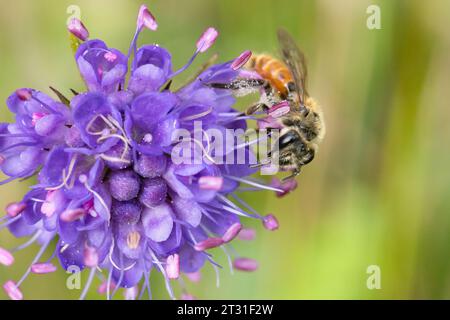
[{"x": 108, "y": 189}]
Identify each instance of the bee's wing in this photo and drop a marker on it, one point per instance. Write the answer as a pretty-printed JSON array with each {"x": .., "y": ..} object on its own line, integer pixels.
[{"x": 295, "y": 60}]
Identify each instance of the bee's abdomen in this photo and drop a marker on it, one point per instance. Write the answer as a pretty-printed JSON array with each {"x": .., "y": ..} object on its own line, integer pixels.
[{"x": 273, "y": 70}]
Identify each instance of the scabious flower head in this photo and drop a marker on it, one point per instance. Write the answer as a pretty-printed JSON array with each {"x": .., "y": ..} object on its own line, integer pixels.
[{"x": 108, "y": 190}]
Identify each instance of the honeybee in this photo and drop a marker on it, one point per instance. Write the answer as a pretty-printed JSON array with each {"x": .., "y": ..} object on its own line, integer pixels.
[{"x": 303, "y": 127}]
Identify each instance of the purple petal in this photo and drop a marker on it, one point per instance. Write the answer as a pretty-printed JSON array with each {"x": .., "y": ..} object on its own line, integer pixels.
[{"x": 158, "y": 222}]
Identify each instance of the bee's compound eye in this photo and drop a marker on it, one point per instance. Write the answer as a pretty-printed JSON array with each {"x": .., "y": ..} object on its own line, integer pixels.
[
  {"x": 291, "y": 86},
  {"x": 287, "y": 139}
]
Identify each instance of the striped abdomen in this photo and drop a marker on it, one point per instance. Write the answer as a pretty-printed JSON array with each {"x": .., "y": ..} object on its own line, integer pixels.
[{"x": 272, "y": 70}]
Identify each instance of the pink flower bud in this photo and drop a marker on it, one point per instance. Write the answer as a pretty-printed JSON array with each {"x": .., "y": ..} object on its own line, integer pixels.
[{"x": 207, "y": 39}]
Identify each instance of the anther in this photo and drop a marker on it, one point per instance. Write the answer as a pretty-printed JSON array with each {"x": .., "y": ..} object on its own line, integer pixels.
[
  {"x": 77, "y": 28},
  {"x": 208, "y": 244},
  {"x": 232, "y": 232},
  {"x": 207, "y": 39},
  {"x": 240, "y": 61},
  {"x": 12, "y": 290},
  {"x": 270, "y": 222},
  {"x": 146, "y": 19},
  {"x": 43, "y": 268},
  {"x": 245, "y": 264},
  {"x": 210, "y": 183},
  {"x": 15, "y": 208},
  {"x": 6, "y": 258},
  {"x": 173, "y": 266}
]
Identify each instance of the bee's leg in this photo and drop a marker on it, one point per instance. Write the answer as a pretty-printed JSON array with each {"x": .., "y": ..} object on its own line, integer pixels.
[
  {"x": 238, "y": 84},
  {"x": 253, "y": 108},
  {"x": 295, "y": 173}
]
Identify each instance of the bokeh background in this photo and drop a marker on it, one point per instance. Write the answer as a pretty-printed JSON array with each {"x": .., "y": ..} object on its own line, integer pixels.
[{"x": 377, "y": 193}]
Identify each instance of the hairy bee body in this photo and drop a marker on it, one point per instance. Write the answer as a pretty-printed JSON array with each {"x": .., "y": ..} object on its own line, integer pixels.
[
  {"x": 273, "y": 70},
  {"x": 303, "y": 127}
]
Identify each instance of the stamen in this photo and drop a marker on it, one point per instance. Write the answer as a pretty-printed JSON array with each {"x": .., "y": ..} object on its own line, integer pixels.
[
  {"x": 240, "y": 61},
  {"x": 109, "y": 56},
  {"x": 90, "y": 257},
  {"x": 146, "y": 19},
  {"x": 210, "y": 183},
  {"x": 208, "y": 244},
  {"x": 102, "y": 289},
  {"x": 83, "y": 179},
  {"x": 15, "y": 208},
  {"x": 186, "y": 296},
  {"x": 230, "y": 262},
  {"x": 24, "y": 94},
  {"x": 6, "y": 258},
  {"x": 246, "y": 205},
  {"x": 36, "y": 116},
  {"x": 29, "y": 242},
  {"x": 65, "y": 176},
  {"x": 198, "y": 115},
  {"x": 235, "y": 209},
  {"x": 148, "y": 138},
  {"x": 232, "y": 232},
  {"x": 12, "y": 290},
  {"x": 194, "y": 276},
  {"x": 280, "y": 109},
  {"x": 160, "y": 267},
  {"x": 109, "y": 284},
  {"x": 245, "y": 264},
  {"x": 253, "y": 183},
  {"x": 270, "y": 222},
  {"x": 88, "y": 284},
  {"x": 173, "y": 266},
  {"x": 207, "y": 39},
  {"x": 114, "y": 264},
  {"x": 247, "y": 234},
  {"x": 133, "y": 240},
  {"x": 43, "y": 268},
  {"x": 77, "y": 28},
  {"x": 36, "y": 258},
  {"x": 71, "y": 215},
  {"x": 10, "y": 221}
]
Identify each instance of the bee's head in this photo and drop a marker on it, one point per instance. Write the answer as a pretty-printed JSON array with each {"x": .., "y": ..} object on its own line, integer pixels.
[{"x": 293, "y": 146}]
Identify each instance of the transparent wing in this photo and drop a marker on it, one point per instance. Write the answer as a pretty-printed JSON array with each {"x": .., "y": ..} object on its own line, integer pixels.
[{"x": 295, "y": 60}]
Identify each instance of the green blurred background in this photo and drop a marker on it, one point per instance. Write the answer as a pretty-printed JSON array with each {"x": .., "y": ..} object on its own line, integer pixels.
[{"x": 377, "y": 193}]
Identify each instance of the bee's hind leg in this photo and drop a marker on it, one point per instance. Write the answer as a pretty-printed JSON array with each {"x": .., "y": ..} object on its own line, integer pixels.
[
  {"x": 237, "y": 84},
  {"x": 295, "y": 173}
]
